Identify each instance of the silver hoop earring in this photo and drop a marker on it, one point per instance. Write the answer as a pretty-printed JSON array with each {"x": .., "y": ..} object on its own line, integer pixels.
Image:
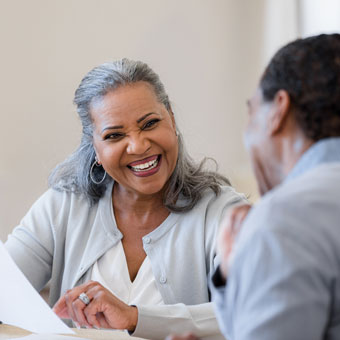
[{"x": 95, "y": 163}]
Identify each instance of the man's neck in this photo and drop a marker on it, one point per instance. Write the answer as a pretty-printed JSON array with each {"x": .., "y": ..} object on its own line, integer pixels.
[{"x": 292, "y": 150}]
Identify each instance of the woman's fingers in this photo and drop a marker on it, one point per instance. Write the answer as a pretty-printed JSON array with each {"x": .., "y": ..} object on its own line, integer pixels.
[
  {"x": 60, "y": 308},
  {"x": 69, "y": 306},
  {"x": 102, "y": 320},
  {"x": 76, "y": 306},
  {"x": 104, "y": 310},
  {"x": 79, "y": 307},
  {"x": 92, "y": 311},
  {"x": 97, "y": 320}
]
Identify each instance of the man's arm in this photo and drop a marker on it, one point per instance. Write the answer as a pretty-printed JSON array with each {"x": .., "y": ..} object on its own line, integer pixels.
[{"x": 275, "y": 290}]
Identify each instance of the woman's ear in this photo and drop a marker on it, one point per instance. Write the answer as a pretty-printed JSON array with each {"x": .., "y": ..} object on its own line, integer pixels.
[
  {"x": 280, "y": 112},
  {"x": 96, "y": 158},
  {"x": 172, "y": 116}
]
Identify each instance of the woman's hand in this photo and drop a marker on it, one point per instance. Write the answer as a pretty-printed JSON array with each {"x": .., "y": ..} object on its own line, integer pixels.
[
  {"x": 103, "y": 311},
  {"x": 229, "y": 229}
]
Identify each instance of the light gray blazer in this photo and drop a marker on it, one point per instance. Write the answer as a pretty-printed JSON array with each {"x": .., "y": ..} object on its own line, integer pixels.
[
  {"x": 61, "y": 237},
  {"x": 284, "y": 278}
]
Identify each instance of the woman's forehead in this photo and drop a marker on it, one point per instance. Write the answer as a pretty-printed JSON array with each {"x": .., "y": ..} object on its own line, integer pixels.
[
  {"x": 126, "y": 102},
  {"x": 140, "y": 92}
]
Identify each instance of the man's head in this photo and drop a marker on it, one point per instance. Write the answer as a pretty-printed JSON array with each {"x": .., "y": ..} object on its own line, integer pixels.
[{"x": 296, "y": 104}]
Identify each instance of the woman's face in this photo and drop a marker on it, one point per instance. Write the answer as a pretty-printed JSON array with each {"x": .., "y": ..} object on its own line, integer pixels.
[{"x": 135, "y": 138}]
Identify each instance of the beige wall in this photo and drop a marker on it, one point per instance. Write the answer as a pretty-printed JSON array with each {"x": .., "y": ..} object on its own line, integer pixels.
[{"x": 207, "y": 53}]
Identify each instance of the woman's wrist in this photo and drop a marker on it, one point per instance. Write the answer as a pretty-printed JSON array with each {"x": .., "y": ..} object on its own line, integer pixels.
[{"x": 133, "y": 319}]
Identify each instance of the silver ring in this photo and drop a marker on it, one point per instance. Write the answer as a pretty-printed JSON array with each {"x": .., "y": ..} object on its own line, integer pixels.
[{"x": 83, "y": 297}]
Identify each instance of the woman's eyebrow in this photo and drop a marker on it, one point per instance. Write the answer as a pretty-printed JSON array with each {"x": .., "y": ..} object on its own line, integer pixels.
[
  {"x": 145, "y": 116},
  {"x": 112, "y": 127},
  {"x": 121, "y": 126}
]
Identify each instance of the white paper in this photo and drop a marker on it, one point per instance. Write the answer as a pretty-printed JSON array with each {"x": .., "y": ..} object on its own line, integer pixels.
[
  {"x": 48, "y": 337},
  {"x": 21, "y": 305}
]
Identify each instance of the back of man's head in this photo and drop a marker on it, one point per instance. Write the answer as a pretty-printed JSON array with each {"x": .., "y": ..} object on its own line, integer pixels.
[{"x": 309, "y": 70}]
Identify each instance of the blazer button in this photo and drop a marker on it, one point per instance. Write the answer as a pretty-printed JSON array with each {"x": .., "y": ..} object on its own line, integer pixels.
[
  {"x": 147, "y": 240},
  {"x": 162, "y": 279}
]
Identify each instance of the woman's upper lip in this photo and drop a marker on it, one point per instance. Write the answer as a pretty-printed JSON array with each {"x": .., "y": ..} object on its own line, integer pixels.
[{"x": 144, "y": 160}]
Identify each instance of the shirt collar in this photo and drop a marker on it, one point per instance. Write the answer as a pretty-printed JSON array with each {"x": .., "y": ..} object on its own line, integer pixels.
[{"x": 324, "y": 151}]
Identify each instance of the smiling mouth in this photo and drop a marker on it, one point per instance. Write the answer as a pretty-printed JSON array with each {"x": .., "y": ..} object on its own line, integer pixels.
[{"x": 146, "y": 166}]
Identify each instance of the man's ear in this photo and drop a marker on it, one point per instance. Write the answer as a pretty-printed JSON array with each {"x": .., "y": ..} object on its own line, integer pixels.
[{"x": 281, "y": 108}]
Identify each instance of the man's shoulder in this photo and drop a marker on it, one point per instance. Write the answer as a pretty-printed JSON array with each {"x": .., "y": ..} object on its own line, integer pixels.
[
  {"x": 324, "y": 178},
  {"x": 307, "y": 205},
  {"x": 309, "y": 192}
]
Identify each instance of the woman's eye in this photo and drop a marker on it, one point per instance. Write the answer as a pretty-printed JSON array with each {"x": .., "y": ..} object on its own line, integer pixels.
[
  {"x": 150, "y": 123},
  {"x": 114, "y": 136}
]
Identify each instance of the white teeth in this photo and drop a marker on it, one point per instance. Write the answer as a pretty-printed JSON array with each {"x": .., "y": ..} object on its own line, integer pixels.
[{"x": 147, "y": 165}]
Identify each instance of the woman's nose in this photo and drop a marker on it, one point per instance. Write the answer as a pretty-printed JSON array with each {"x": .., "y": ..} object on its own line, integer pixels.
[{"x": 138, "y": 144}]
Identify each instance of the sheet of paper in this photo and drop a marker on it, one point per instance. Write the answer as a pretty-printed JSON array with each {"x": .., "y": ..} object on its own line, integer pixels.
[
  {"x": 21, "y": 305},
  {"x": 48, "y": 337}
]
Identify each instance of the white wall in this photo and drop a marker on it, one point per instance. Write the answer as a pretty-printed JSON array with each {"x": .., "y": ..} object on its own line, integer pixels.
[
  {"x": 319, "y": 16},
  {"x": 281, "y": 25},
  {"x": 206, "y": 52}
]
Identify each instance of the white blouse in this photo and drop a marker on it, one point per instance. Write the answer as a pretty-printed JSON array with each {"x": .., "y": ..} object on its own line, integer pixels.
[{"x": 112, "y": 272}]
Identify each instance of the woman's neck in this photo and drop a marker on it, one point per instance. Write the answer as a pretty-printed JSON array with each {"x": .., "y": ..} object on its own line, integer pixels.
[{"x": 136, "y": 204}]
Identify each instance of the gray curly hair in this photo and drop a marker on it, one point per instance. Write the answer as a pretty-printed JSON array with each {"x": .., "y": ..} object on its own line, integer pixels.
[{"x": 73, "y": 175}]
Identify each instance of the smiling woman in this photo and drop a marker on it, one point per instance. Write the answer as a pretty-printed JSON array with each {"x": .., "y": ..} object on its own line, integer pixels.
[
  {"x": 123, "y": 211},
  {"x": 188, "y": 178},
  {"x": 135, "y": 139}
]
